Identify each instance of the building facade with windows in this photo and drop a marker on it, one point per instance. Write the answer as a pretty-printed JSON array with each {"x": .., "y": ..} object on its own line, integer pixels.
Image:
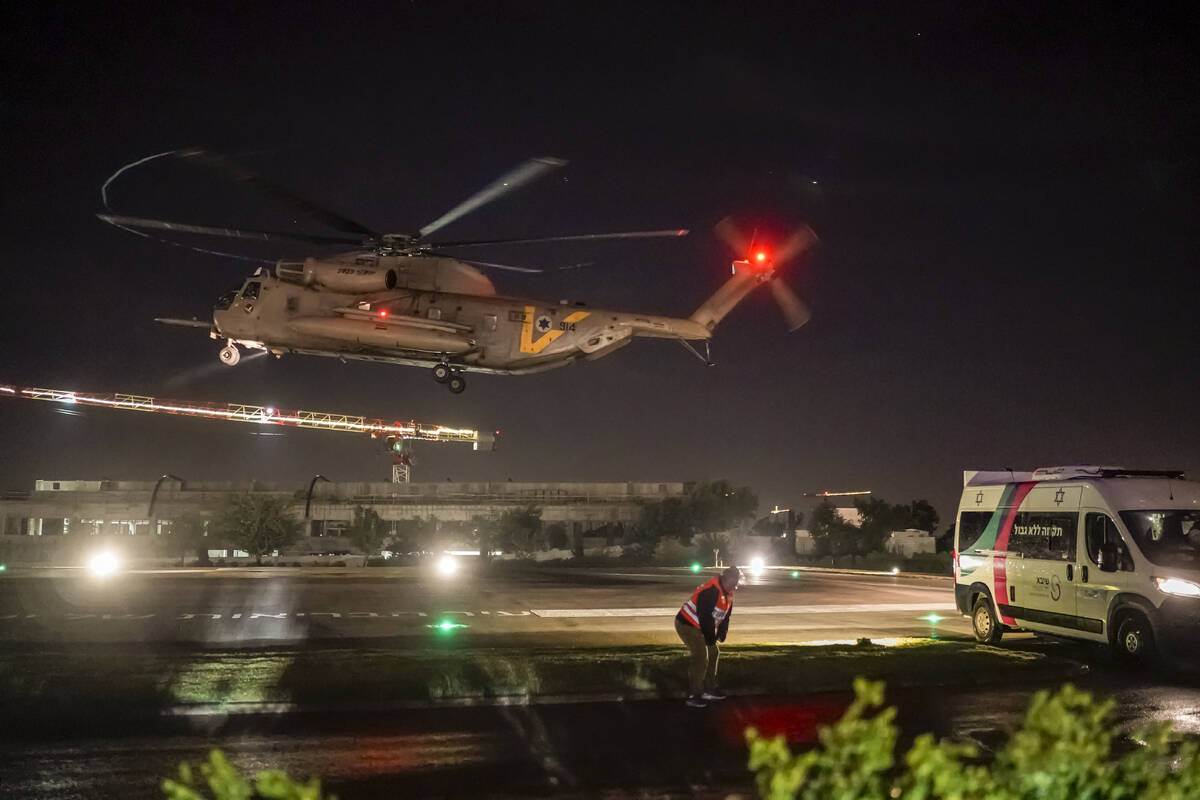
[{"x": 142, "y": 511}]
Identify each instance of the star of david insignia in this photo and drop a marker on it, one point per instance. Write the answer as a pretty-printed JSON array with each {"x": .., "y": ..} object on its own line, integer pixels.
[
  {"x": 543, "y": 324},
  {"x": 979, "y": 498},
  {"x": 1059, "y": 496}
]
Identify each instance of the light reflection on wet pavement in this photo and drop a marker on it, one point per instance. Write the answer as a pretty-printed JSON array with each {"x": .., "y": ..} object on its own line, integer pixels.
[{"x": 589, "y": 749}]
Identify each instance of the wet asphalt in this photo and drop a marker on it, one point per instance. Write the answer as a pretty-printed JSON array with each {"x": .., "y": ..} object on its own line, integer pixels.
[{"x": 586, "y": 749}]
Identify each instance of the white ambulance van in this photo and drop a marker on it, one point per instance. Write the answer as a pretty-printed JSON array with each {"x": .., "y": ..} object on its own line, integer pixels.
[{"x": 1105, "y": 554}]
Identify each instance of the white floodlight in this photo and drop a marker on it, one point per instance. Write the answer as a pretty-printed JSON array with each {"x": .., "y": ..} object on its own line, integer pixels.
[
  {"x": 447, "y": 565},
  {"x": 104, "y": 564}
]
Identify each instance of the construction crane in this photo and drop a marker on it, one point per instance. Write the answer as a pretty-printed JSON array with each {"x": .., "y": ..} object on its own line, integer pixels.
[{"x": 396, "y": 433}]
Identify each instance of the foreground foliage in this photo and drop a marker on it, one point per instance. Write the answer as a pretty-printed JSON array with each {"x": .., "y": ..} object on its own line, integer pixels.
[
  {"x": 1062, "y": 750},
  {"x": 224, "y": 782}
]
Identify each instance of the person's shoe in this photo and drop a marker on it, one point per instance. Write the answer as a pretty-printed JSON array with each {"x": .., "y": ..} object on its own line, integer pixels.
[
  {"x": 715, "y": 693},
  {"x": 696, "y": 701}
]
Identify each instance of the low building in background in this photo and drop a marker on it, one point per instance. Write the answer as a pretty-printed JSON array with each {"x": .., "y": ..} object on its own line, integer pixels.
[
  {"x": 909, "y": 542},
  {"x": 48, "y": 524},
  {"x": 806, "y": 545}
]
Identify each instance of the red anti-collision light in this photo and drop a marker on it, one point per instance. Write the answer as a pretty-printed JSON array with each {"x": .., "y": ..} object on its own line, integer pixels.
[
  {"x": 383, "y": 312},
  {"x": 761, "y": 256}
]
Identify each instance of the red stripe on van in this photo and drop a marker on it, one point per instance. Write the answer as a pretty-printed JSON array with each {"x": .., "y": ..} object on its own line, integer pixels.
[
  {"x": 1000, "y": 563},
  {"x": 1020, "y": 492},
  {"x": 1000, "y": 580}
]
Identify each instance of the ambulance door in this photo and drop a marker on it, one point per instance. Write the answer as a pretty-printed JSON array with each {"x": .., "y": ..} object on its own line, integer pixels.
[
  {"x": 1096, "y": 587},
  {"x": 1044, "y": 533}
]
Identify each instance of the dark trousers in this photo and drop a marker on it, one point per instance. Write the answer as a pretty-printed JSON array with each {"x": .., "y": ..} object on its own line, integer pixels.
[{"x": 702, "y": 666}]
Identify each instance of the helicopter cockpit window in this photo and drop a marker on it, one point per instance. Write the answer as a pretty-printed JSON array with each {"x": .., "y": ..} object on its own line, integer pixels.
[
  {"x": 226, "y": 300},
  {"x": 251, "y": 290}
]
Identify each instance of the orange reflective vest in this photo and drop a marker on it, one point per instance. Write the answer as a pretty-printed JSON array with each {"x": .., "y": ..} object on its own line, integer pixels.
[{"x": 720, "y": 610}]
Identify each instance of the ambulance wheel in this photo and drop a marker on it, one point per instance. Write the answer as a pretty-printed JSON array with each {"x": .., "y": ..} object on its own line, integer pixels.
[
  {"x": 1134, "y": 641},
  {"x": 441, "y": 373},
  {"x": 986, "y": 627},
  {"x": 456, "y": 384},
  {"x": 229, "y": 355}
]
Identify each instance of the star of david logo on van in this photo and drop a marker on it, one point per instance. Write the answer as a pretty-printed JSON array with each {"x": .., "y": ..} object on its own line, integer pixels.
[{"x": 1059, "y": 496}]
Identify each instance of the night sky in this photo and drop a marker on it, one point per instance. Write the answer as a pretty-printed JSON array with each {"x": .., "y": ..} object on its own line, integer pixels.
[{"x": 1007, "y": 201}]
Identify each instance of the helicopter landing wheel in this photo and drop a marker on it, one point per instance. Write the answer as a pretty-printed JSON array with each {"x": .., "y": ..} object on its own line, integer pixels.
[
  {"x": 456, "y": 384},
  {"x": 229, "y": 355},
  {"x": 441, "y": 373}
]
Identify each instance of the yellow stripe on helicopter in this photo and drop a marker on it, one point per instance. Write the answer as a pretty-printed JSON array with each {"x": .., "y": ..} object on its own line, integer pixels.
[{"x": 528, "y": 345}]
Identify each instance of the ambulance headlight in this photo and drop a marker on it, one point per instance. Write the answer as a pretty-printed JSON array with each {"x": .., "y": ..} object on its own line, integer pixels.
[
  {"x": 757, "y": 566},
  {"x": 1177, "y": 587},
  {"x": 103, "y": 564}
]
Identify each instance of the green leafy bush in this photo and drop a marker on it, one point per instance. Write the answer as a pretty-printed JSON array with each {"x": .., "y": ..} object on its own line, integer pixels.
[
  {"x": 224, "y": 782},
  {"x": 1062, "y": 751}
]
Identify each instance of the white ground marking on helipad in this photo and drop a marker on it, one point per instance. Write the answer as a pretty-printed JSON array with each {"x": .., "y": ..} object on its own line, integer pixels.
[{"x": 661, "y": 612}]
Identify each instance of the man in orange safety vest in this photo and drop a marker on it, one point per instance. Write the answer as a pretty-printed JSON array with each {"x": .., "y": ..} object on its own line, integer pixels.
[{"x": 701, "y": 623}]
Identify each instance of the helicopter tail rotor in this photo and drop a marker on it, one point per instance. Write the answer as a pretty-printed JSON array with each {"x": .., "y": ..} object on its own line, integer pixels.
[
  {"x": 763, "y": 262},
  {"x": 795, "y": 311}
]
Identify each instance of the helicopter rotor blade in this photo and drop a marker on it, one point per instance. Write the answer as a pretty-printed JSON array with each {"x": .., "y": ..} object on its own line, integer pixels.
[
  {"x": 796, "y": 245},
  {"x": 795, "y": 311},
  {"x": 485, "y": 264},
  {"x": 228, "y": 233},
  {"x": 728, "y": 232},
  {"x": 510, "y": 181},
  {"x": 581, "y": 237},
  {"x": 241, "y": 174}
]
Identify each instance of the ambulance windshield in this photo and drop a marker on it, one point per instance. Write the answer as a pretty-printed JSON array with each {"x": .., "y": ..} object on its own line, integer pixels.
[{"x": 1167, "y": 538}]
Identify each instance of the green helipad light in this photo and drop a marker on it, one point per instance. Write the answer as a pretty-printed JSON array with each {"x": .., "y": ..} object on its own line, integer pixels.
[
  {"x": 3, "y": 567},
  {"x": 795, "y": 573},
  {"x": 932, "y": 619},
  {"x": 446, "y": 625},
  {"x": 696, "y": 567}
]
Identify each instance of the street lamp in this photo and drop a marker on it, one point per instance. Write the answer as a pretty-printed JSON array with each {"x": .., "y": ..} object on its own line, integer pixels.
[
  {"x": 154, "y": 497},
  {"x": 308, "y": 503}
]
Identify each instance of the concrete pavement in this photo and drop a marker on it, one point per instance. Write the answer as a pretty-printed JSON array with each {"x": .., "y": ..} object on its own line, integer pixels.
[{"x": 552, "y": 606}]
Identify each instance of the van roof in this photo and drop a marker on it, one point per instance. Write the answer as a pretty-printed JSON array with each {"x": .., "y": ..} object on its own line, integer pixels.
[{"x": 993, "y": 477}]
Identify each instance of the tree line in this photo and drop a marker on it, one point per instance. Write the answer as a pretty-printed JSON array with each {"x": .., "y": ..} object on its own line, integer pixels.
[
  {"x": 261, "y": 524},
  {"x": 709, "y": 516},
  {"x": 834, "y": 536}
]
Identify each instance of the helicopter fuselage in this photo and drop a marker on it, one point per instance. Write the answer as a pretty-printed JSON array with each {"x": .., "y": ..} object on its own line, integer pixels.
[{"x": 412, "y": 326}]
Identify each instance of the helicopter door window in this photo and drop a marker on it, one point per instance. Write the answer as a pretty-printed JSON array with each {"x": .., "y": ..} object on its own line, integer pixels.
[
  {"x": 251, "y": 291},
  {"x": 435, "y": 313},
  {"x": 489, "y": 321}
]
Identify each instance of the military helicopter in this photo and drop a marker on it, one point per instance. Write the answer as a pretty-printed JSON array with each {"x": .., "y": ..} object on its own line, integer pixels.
[{"x": 402, "y": 299}]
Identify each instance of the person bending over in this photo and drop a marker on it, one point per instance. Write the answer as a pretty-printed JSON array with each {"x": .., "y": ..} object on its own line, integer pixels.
[{"x": 701, "y": 623}]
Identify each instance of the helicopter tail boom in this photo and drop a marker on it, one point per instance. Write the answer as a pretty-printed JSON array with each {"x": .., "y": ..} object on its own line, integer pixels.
[{"x": 726, "y": 298}]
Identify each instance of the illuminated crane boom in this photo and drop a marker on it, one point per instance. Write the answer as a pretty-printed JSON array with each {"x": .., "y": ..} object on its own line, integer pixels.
[{"x": 262, "y": 415}]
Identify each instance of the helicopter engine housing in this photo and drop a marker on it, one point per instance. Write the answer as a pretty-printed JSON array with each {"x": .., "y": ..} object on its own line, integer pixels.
[{"x": 344, "y": 277}]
